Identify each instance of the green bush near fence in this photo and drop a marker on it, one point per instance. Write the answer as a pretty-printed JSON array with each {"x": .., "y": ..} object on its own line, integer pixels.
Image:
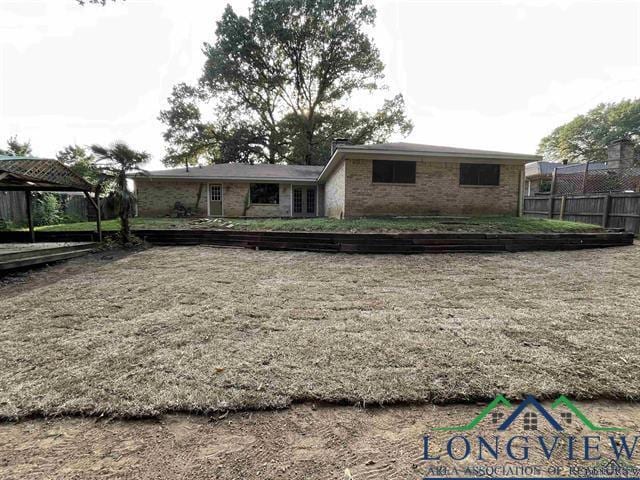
[
  {"x": 8, "y": 225},
  {"x": 47, "y": 210}
]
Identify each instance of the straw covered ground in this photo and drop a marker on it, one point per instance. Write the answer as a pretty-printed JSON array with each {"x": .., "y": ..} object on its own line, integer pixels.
[{"x": 201, "y": 329}]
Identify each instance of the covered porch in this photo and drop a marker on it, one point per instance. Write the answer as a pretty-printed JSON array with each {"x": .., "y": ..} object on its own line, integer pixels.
[{"x": 264, "y": 199}]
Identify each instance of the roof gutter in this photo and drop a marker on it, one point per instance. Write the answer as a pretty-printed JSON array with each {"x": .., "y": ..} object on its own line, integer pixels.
[{"x": 222, "y": 179}]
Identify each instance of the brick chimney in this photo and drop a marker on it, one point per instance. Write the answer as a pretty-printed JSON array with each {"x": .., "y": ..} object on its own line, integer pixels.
[
  {"x": 620, "y": 154},
  {"x": 337, "y": 142}
]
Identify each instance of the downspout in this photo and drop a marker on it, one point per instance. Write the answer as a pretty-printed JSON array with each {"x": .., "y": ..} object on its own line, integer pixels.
[{"x": 521, "y": 193}]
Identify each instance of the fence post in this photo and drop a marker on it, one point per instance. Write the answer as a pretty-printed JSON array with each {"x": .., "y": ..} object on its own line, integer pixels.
[
  {"x": 32, "y": 233},
  {"x": 605, "y": 210},
  {"x": 584, "y": 178},
  {"x": 563, "y": 202},
  {"x": 552, "y": 192}
]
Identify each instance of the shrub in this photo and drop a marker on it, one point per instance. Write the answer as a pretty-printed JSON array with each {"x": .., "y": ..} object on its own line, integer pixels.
[
  {"x": 47, "y": 210},
  {"x": 7, "y": 224}
]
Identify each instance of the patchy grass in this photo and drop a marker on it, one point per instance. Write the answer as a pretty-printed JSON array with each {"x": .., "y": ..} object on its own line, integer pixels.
[
  {"x": 425, "y": 224},
  {"x": 201, "y": 329},
  {"x": 114, "y": 225}
]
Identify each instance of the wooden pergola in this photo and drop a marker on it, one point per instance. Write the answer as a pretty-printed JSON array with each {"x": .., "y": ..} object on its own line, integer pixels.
[{"x": 31, "y": 174}]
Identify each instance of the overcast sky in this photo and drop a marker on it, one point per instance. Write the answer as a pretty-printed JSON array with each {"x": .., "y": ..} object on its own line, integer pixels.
[{"x": 485, "y": 74}]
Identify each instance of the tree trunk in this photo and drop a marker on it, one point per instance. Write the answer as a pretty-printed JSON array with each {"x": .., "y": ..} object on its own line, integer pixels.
[
  {"x": 197, "y": 207},
  {"x": 123, "y": 213},
  {"x": 309, "y": 154}
]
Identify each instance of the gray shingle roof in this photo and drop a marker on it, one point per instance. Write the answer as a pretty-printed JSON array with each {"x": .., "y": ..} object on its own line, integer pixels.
[
  {"x": 241, "y": 171},
  {"x": 434, "y": 149},
  {"x": 306, "y": 173}
]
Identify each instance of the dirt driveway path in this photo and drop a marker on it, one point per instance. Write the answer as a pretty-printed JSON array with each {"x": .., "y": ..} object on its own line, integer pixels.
[{"x": 301, "y": 442}]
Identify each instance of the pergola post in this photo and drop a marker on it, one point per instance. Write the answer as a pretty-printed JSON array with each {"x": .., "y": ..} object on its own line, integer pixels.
[
  {"x": 96, "y": 204},
  {"x": 98, "y": 214},
  {"x": 32, "y": 233}
]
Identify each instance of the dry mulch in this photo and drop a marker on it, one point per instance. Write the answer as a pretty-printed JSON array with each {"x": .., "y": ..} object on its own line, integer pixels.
[
  {"x": 299, "y": 443},
  {"x": 198, "y": 329}
]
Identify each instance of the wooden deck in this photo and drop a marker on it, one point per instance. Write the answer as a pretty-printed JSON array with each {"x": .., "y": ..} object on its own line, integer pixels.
[{"x": 20, "y": 255}]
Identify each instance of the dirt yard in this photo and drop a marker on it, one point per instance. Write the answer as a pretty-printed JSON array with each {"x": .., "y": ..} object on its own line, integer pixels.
[
  {"x": 197, "y": 329},
  {"x": 341, "y": 443}
]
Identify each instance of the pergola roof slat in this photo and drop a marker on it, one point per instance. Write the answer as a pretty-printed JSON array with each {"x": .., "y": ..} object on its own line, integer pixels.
[{"x": 47, "y": 172}]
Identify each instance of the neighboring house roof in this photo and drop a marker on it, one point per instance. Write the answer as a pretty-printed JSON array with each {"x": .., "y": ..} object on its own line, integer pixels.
[
  {"x": 545, "y": 169},
  {"x": 239, "y": 171},
  {"x": 580, "y": 167},
  {"x": 32, "y": 172}
]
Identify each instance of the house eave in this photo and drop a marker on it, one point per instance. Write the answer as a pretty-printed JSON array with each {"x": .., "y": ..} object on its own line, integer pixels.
[
  {"x": 341, "y": 152},
  {"x": 223, "y": 179}
]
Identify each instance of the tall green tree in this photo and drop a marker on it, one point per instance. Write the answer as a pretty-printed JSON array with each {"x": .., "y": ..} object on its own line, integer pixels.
[
  {"x": 585, "y": 138},
  {"x": 17, "y": 148},
  {"x": 81, "y": 161},
  {"x": 278, "y": 84},
  {"x": 115, "y": 162}
]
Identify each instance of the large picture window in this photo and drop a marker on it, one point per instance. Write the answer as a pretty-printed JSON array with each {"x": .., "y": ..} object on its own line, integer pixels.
[
  {"x": 392, "y": 171},
  {"x": 483, "y": 174},
  {"x": 265, "y": 193}
]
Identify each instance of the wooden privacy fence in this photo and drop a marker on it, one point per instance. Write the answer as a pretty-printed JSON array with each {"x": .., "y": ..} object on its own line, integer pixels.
[
  {"x": 609, "y": 210},
  {"x": 13, "y": 207}
]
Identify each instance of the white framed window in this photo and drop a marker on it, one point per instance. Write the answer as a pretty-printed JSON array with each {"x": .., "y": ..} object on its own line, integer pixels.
[{"x": 216, "y": 193}]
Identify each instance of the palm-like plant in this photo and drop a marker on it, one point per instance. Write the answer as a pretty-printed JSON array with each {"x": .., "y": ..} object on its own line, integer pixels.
[{"x": 115, "y": 162}]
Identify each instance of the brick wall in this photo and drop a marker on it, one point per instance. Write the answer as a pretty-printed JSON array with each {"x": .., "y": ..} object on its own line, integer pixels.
[
  {"x": 437, "y": 191},
  {"x": 334, "y": 191},
  {"x": 158, "y": 197},
  {"x": 236, "y": 195}
]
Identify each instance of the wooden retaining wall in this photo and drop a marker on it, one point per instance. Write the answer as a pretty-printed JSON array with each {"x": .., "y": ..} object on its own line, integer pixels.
[
  {"x": 356, "y": 243},
  {"x": 613, "y": 210}
]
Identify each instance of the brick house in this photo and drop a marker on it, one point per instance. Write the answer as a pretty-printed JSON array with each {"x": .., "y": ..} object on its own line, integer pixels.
[{"x": 359, "y": 180}]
